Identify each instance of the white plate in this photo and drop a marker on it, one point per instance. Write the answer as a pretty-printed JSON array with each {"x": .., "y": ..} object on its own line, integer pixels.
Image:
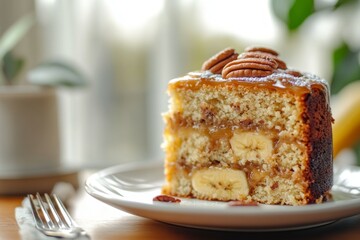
[{"x": 131, "y": 188}]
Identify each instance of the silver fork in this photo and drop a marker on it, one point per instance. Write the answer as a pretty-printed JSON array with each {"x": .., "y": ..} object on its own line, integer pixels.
[{"x": 53, "y": 219}]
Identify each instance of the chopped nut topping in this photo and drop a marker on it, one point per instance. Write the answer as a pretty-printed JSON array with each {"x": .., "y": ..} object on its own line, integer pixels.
[{"x": 166, "y": 198}]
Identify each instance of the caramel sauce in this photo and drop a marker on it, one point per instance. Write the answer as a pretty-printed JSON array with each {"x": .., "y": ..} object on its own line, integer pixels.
[
  {"x": 278, "y": 81},
  {"x": 226, "y": 132},
  {"x": 223, "y": 133}
]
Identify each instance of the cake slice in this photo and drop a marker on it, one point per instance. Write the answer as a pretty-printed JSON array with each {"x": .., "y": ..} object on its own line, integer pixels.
[{"x": 247, "y": 128}]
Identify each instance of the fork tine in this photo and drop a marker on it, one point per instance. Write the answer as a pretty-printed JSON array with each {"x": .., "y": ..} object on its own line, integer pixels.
[
  {"x": 34, "y": 211},
  {"x": 56, "y": 216},
  {"x": 69, "y": 221},
  {"x": 52, "y": 219},
  {"x": 45, "y": 213}
]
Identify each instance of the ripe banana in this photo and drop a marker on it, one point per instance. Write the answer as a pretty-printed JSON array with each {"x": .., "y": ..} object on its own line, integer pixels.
[
  {"x": 220, "y": 184},
  {"x": 251, "y": 146},
  {"x": 346, "y": 112}
]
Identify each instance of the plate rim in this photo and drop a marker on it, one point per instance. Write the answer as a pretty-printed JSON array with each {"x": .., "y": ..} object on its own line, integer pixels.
[{"x": 340, "y": 207}]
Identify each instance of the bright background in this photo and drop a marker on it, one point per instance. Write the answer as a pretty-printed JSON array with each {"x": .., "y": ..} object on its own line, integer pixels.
[{"x": 129, "y": 50}]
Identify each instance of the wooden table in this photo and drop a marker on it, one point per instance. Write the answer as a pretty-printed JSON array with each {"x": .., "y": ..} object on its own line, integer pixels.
[{"x": 107, "y": 223}]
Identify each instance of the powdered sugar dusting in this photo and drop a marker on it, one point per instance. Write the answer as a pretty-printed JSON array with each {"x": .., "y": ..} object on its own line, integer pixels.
[{"x": 279, "y": 79}]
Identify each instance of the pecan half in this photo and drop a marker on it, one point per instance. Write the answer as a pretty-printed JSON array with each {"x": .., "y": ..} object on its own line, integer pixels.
[
  {"x": 294, "y": 73},
  {"x": 166, "y": 198},
  {"x": 281, "y": 64},
  {"x": 249, "y": 67},
  {"x": 261, "y": 49},
  {"x": 217, "y": 62}
]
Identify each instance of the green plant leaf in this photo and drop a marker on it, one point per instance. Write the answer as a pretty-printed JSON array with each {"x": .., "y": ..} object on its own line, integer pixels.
[
  {"x": 14, "y": 34},
  {"x": 340, "y": 3},
  {"x": 346, "y": 67},
  {"x": 280, "y": 9},
  {"x": 11, "y": 66},
  {"x": 356, "y": 149},
  {"x": 339, "y": 54},
  {"x": 56, "y": 74},
  {"x": 299, "y": 12},
  {"x": 2, "y": 77},
  {"x": 293, "y": 12}
]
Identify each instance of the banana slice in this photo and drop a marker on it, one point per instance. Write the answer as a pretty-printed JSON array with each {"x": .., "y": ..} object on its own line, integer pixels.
[
  {"x": 220, "y": 184},
  {"x": 251, "y": 146}
]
